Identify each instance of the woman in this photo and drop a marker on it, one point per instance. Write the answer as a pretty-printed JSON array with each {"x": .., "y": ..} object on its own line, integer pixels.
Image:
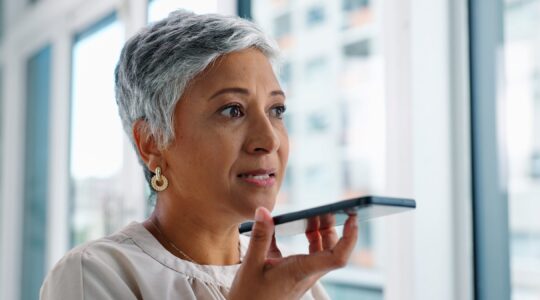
[{"x": 199, "y": 99}]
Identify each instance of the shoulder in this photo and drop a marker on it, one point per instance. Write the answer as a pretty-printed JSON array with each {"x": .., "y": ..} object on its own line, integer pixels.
[
  {"x": 104, "y": 249},
  {"x": 91, "y": 268}
]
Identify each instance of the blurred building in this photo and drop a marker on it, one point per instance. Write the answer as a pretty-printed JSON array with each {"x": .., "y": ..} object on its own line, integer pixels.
[{"x": 522, "y": 125}]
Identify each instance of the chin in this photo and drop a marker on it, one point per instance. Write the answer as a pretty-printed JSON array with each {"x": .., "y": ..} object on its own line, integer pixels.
[{"x": 248, "y": 211}]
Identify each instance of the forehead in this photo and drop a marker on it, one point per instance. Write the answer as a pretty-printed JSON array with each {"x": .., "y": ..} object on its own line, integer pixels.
[
  {"x": 247, "y": 69},
  {"x": 247, "y": 64}
]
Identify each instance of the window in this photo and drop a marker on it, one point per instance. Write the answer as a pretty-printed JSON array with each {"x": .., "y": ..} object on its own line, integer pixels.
[
  {"x": 282, "y": 25},
  {"x": 315, "y": 70},
  {"x": 315, "y": 15},
  {"x": 357, "y": 13},
  {"x": 359, "y": 48},
  {"x": 34, "y": 243},
  {"x": 522, "y": 127},
  {"x": 351, "y": 5},
  {"x": 337, "y": 98},
  {"x": 506, "y": 122},
  {"x": 99, "y": 205}
]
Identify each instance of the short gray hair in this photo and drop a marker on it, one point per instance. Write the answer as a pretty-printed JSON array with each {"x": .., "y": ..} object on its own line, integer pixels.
[{"x": 158, "y": 62}]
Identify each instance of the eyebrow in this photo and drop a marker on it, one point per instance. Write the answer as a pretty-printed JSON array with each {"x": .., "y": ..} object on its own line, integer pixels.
[{"x": 242, "y": 91}]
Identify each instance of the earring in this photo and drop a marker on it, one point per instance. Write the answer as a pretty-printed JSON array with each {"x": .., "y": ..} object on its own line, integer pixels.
[{"x": 159, "y": 182}]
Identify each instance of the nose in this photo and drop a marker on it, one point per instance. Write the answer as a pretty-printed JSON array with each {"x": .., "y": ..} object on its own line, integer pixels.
[{"x": 262, "y": 136}]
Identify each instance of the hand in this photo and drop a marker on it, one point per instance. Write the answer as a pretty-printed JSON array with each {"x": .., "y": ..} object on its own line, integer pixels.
[{"x": 265, "y": 274}]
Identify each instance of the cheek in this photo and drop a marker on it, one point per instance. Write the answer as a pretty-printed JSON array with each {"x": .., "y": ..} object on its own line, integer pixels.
[
  {"x": 283, "y": 154},
  {"x": 284, "y": 147},
  {"x": 215, "y": 153}
]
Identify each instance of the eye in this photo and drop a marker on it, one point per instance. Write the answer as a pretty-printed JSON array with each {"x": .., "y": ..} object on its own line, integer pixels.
[
  {"x": 278, "y": 111},
  {"x": 232, "y": 111}
]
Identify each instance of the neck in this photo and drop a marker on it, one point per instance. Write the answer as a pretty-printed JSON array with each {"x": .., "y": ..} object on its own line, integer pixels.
[{"x": 207, "y": 239}]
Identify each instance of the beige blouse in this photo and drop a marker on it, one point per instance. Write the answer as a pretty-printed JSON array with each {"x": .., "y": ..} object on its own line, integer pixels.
[{"x": 132, "y": 264}]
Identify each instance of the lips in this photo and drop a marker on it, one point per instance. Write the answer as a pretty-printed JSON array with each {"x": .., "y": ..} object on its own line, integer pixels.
[{"x": 259, "y": 177}]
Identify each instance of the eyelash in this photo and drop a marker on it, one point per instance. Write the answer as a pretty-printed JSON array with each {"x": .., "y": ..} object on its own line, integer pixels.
[
  {"x": 281, "y": 110},
  {"x": 240, "y": 113},
  {"x": 238, "y": 107}
]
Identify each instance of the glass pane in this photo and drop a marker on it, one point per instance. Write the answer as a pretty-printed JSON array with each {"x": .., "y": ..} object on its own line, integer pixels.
[
  {"x": 522, "y": 126},
  {"x": 99, "y": 207},
  {"x": 336, "y": 98},
  {"x": 35, "y": 173},
  {"x": 159, "y": 9}
]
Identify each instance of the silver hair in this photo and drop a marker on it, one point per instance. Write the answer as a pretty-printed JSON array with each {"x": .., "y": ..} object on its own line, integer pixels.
[{"x": 158, "y": 62}]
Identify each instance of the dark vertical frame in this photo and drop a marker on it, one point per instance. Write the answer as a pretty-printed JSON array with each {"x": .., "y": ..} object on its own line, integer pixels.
[
  {"x": 96, "y": 27},
  {"x": 490, "y": 200},
  {"x": 244, "y": 9},
  {"x": 1, "y": 20},
  {"x": 36, "y": 166}
]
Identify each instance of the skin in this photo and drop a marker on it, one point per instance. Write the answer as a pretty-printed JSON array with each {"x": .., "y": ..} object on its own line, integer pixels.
[{"x": 228, "y": 123}]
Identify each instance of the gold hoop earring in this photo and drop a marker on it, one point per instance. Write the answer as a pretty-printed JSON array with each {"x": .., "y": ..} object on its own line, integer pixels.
[{"x": 159, "y": 182}]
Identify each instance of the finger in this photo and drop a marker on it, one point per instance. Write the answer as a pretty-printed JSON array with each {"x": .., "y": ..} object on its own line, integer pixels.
[
  {"x": 313, "y": 224},
  {"x": 328, "y": 231},
  {"x": 332, "y": 259},
  {"x": 312, "y": 234},
  {"x": 314, "y": 239},
  {"x": 347, "y": 242},
  {"x": 261, "y": 237},
  {"x": 273, "y": 251}
]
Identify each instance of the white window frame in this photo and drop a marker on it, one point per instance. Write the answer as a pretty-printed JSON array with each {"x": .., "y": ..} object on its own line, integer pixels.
[{"x": 443, "y": 267}]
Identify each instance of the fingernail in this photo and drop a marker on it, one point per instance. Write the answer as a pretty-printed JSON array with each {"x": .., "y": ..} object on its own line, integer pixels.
[{"x": 259, "y": 215}]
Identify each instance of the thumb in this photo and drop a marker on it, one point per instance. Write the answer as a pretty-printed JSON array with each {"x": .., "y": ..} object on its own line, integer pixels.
[{"x": 261, "y": 237}]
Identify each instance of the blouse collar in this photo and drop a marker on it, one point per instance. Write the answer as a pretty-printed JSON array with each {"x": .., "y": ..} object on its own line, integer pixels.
[{"x": 222, "y": 275}]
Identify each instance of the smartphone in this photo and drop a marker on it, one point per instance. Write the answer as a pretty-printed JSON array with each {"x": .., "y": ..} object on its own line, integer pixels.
[{"x": 335, "y": 214}]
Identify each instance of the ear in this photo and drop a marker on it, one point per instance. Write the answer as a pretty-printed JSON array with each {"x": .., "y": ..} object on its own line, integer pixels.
[{"x": 147, "y": 146}]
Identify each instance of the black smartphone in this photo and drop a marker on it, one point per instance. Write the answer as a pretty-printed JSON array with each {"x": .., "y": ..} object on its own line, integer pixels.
[{"x": 335, "y": 214}]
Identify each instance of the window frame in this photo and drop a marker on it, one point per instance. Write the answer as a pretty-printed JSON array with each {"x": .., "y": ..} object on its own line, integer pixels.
[{"x": 490, "y": 193}]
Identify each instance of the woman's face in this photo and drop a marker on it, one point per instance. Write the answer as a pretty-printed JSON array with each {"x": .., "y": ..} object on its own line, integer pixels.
[{"x": 231, "y": 146}]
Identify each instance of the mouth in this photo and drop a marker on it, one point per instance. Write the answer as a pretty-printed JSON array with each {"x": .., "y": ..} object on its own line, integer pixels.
[{"x": 259, "y": 177}]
